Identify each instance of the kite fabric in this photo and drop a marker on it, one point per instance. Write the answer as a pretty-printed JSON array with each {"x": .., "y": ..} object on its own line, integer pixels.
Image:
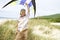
[
  {"x": 30, "y": 4},
  {"x": 22, "y": 2}
]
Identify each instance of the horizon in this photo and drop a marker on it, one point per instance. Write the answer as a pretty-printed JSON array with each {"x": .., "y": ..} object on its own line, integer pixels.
[{"x": 30, "y": 17}]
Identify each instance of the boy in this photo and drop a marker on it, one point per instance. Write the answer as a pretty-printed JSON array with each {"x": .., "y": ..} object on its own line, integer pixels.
[{"x": 22, "y": 24}]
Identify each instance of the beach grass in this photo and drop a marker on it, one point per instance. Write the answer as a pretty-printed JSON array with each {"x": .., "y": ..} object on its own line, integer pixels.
[{"x": 39, "y": 29}]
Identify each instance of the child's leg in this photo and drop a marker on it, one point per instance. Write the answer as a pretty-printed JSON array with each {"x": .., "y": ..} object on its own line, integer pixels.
[
  {"x": 22, "y": 35},
  {"x": 17, "y": 36}
]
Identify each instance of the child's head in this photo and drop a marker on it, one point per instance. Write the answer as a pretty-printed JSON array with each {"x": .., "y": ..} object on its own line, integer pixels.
[{"x": 23, "y": 12}]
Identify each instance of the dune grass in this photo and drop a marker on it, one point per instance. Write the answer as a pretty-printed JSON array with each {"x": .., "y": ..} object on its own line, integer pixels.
[{"x": 8, "y": 29}]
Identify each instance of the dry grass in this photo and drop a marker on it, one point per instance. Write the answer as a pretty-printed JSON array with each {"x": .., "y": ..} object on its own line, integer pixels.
[{"x": 39, "y": 29}]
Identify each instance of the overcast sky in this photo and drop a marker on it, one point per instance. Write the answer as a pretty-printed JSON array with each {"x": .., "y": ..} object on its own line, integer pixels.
[{"x": 44, "y": 7}]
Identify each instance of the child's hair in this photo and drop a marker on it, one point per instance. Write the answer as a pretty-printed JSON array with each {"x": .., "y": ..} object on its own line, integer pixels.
[{"x": 23, "y": 10}]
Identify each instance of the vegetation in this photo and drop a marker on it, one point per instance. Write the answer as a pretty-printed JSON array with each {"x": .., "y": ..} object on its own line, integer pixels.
[
  {"x": 52, "y": 18},
  {"x": 8, "y": 29}
]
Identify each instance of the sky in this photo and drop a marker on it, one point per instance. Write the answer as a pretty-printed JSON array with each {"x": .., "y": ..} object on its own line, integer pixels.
[{"x": 43, "y": 7}]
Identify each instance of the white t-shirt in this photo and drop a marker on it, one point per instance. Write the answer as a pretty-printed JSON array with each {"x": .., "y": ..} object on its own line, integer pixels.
[{"x": 23, "y": 22}]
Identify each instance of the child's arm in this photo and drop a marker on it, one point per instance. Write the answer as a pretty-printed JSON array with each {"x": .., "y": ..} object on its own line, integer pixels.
[{"x": 27, "y": 8}]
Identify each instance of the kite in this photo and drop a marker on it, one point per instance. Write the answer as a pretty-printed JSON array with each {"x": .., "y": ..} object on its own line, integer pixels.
[{"x": 22, "y": 3}]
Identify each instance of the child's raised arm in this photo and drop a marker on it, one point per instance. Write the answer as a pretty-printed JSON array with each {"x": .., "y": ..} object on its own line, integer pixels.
[{"x": 27, "y": 8}]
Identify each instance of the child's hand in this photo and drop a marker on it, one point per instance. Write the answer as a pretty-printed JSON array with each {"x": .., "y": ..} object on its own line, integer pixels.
[{"x": 26, "y": 4}]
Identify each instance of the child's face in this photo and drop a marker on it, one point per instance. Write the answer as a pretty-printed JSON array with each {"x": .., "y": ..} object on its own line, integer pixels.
[{"x": 22, "y": 13}]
